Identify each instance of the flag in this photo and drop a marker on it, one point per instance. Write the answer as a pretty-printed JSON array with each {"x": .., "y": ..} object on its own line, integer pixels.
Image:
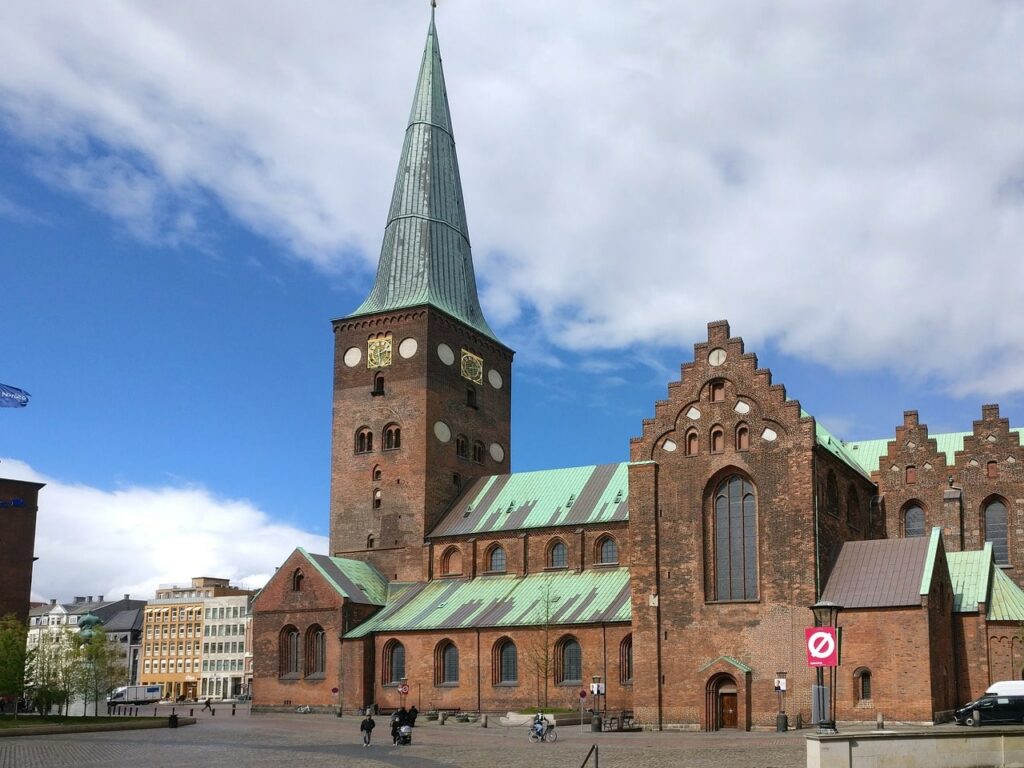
[{"x": 12, "y": 397}]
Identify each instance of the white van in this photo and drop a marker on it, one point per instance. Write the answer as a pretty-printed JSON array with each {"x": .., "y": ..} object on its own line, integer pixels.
[{"x": 1006, "y": 688}]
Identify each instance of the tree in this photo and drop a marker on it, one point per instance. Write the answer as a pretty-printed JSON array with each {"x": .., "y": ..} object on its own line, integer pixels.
[
  {"x": 55, "y": 670},
  {"x": 15, "y": 658},
  {"x": 539, "y": 654},
  {"x": 99, "y": 668}
]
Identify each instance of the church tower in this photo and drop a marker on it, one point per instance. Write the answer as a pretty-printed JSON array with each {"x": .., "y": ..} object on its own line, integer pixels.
[{"x": 422, "y": 387}]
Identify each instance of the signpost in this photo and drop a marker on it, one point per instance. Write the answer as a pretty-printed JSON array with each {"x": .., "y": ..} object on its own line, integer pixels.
[
  {"x": 822, "y": 646},
  {"x": 583, "y": 697}
]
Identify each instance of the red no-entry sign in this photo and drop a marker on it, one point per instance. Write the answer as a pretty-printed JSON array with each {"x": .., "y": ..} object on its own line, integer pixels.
[{"x": 822, "y": 647}]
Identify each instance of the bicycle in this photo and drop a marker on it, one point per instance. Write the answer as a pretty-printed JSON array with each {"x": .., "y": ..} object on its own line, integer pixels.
[
  {"x": 549, "y": 735},
  {"x": 305, "y": 709}
]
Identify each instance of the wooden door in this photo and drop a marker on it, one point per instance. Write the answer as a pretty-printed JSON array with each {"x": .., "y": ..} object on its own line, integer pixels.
[{"x": 727, "y": 710}]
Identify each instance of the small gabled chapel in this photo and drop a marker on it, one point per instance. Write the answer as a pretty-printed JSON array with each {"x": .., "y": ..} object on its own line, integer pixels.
[{"x": 680, "y": 580}]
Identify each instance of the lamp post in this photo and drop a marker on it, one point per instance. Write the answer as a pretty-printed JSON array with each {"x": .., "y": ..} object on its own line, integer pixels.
[{"x": 825, "y": 615}]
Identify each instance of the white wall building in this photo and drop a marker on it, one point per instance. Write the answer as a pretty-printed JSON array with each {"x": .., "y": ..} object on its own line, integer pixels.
[{"x": 226, "y": 638}]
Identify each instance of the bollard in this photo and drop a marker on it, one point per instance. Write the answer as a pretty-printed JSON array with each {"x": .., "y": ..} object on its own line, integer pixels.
[
  {"x": 442, "y": 718},
  {"x": 212, "y": 711},
  {"x": 483, "y": 721},
  {"x": 232, "y": 710},
  {"x": 191, "y": 712},
  {"x": 172, "y": 710},
  {"x": 154, "y": 711},
  {"x": 880, "y": 722}
]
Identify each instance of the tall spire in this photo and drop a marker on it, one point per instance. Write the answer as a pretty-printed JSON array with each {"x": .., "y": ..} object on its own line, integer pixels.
[{"x": 426, "y": 256}]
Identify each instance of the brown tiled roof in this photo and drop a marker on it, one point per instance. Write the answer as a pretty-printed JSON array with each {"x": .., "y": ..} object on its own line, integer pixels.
[{"x": 879, "y": 574}]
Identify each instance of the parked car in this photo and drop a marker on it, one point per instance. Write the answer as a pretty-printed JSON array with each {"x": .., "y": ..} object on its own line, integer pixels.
[{"x": 992, "y": 710}]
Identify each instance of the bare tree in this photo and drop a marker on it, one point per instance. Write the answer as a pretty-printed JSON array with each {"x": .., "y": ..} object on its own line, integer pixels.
[{"x": 539, "y": 654}]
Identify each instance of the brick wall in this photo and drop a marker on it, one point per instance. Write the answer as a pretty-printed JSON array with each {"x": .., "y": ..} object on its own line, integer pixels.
[{"x": 20, "y": 504}]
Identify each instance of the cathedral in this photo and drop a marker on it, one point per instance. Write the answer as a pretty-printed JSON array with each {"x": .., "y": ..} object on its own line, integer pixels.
[{"x": 678, "y": 583}]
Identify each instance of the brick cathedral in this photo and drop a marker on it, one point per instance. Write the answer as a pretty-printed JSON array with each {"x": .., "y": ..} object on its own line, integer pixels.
[{"x": 681, "y": 578}]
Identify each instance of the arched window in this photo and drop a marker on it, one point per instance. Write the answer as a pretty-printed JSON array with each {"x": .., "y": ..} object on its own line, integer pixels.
[
  {"x": 568, "y": 661},
  {"x": 451, "y": 561},
  {"x": 832, "y": 494},
  {"x": 496, "y": 559},
  {"x": 742, "y": 437},
  {"x": 446, "y": 664},
  {"x": 394, "y": 662},
  {"x": 691, "y": 442},
  {"x": 471, "y": 396},
  {"x": 371, "y": 542},
  {"x": 735, "y": 543},
  {"x": 607, "y": 551},
  {"x": 392, "y": 437},
  {"x": 378, "y": 498},
  {"x": 364, "y": 440},
  {"x": 461, "y": 446},
  {"x": 378, "y": 385},
  {"x": 913, "y": 521},
  {"x": 995, "y": 531},
  {"x": 862, "y": 684},
  {"x": 378, "y": 474},
  {"x": 478, "y": 452},
  {"x": 506, "y": 663},
  {"x": 288, "y": 651},
  {"x": 717, "y": 439},
  {"x": 852, "y": 507},
  {"x": 717, "y": 391},
  {"x": 316, "y": 651},
  {"x": 297, "y": 579},
  {"x": 558, "y": 555},
  {"x": 626, "y": 659}
]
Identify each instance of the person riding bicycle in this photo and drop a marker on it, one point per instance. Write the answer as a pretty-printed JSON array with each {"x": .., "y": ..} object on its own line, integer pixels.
[{"x": 539, "y": 724}]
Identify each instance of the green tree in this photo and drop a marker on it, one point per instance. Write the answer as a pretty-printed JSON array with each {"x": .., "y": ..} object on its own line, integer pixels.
[
  {"x": 99, "y": 669},
  {"x": 55, "y": 670},
  {"x": 15, "y": 658}
]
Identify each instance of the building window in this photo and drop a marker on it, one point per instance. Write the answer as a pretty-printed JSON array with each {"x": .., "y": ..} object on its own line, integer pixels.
[
  {"x": 288, "y": 652},
  {"x": 316, "y": 651},
  {"x": 378, "y": 385},
  {"x": 392, "y": 437},
  {"x": 378, "y": 498},
  {"x": 451, "y": 561},
  {"x": 607, "y": 551},
  {"x": 471, "y": 396},
  {"x": 717, "y": 391},
  {"x": 446, "y": 664},
  {"x": 558, "y": 555},
  {"x": 496, "y": 560},
  {"x": 995, "y": 531},
  {"x": 717, "y": 439},
  {"x": 742, "y": 437},
  {"x": 297, "y": 579},
  {"x": 992, "y": 469},
  {"x": 911, "y": 475},
  {"x": 568, "y": 661},
  {"x": 832, "y": 494},
  {"x": 378, "y": 474},
  {"x": 461, "y": 446},
  {"x": 506, "y": 663},
  {"x": 852, "y": 507},
  {"x": 862, "y": 684},
  {"x": 691, "y": 442},
  {"x": 364, "y": 440},
  {"x": 735, "y": 543},
  {"x": 394, "y": 662},
  {"x": 626, "y": 659},
  {"x": 913, "y": 521},
  {"x": 478, "y": 452}
]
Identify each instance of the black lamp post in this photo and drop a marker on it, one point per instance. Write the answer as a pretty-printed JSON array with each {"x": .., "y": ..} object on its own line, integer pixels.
[{"x": 825, "y": 614}]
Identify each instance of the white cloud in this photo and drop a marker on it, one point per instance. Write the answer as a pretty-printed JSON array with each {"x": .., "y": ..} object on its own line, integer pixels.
[
  {"x": 843, "y": 179},
  {"x": 131, "y": 539}
]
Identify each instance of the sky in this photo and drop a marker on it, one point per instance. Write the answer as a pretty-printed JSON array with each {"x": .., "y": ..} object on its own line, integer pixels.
[{"x": 190, "y": 192}]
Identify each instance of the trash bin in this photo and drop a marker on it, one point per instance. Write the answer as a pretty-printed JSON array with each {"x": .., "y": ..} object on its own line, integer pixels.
[
  {"x": 781, "y": 722},
  {"x": 595, "y": 724},
  {"x": 172, "y": 721}
]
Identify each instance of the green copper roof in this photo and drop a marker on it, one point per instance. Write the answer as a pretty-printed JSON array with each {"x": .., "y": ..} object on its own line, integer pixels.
[
  {"x": 552, "y": 497},
  {"x": 868, "y": 453},
  {"x": 929, "y": 564},
  {"x": 594, "y": 596},
  {"x": 835, "y": 446},
  {"x": 1007, "y": 600},
  {"x": 729, "y": 660},
  {"x": 358, "y": 581},
  {"x": 969, "y": 573},
  {"x": 426, "y": 256}
]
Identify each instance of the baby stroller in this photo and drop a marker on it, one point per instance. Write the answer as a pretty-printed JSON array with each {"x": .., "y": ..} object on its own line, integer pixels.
[{"x": 405, "y": 735}]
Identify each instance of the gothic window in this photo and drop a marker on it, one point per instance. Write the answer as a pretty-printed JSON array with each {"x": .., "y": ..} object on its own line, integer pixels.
[
  {"x": 461, "y": 446},
  {"x": 691, "y": 442},
  {"x": 378, "y": 474},
  {"x": 394, "y": 662},
  {"x": 392, "y": 437},
  {"x": 378, "y": 385},
  {"x": 995, "y": 531},
  {"x": 913, "y": 521},
  {"x": 316, "y": 651},
  {"x": 607, "y": 551},
  {"x": 297, "y": 578},
  {"x": 471, "y": 396},
  {"x": 568, "y": 661},
  {"x": 288, "y": 652},
  {"x": 717, "y": 439},
  {"x": 717, "y": 391},
  {"x": 742, "y": 437},
  {"x": 506, "y": 663},
  {"x": 364, "y": 440},
  {"x": 852, "y": 507},
  {"x": 496, "y": 559},
  {"x": 370, "y": 542},
  {"x": 862, "y": 684},
  {"x": 735, "y": 542},
  {"x": 911, "y": 476},
  {"x": 832, "y": 494},
  {"x": 478, "y": 452},
  {"x": 558, "y": 555},
  {"x": 446, "y": 664},
  {"x": 451, "y": 561},
  {"x": 626, "y": 659}
]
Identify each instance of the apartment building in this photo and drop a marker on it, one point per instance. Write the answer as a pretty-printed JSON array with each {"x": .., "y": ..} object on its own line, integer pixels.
[{"x": 226, "y": 627}]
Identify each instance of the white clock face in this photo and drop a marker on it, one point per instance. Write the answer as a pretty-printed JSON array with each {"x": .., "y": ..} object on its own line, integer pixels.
[{"x": 716, "y": 356}]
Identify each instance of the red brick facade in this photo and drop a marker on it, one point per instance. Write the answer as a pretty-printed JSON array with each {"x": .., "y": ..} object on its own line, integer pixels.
[{"x": 19, "y": 504}]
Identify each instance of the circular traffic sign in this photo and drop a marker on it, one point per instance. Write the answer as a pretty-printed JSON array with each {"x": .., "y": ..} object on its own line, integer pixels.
[
  {"x": 821, "y": 645},
  {"x": 583, "y": 694},
  {"x": 403, "y": 689}
]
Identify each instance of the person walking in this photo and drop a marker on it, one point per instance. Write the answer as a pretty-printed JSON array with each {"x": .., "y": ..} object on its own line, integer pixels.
[
  {"x": 396, "y": 723},
  {"x": 366, "y": 728},
  {"x": 206, "y": 705}
]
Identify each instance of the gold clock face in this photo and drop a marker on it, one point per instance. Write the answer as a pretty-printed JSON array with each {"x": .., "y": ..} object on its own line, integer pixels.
[
  {"x": 472, "y": 367},
  {"x": 378, "y": 353}
]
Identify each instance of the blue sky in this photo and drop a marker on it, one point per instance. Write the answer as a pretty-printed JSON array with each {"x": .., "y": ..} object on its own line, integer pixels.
[{"x": 180, "y": 220}]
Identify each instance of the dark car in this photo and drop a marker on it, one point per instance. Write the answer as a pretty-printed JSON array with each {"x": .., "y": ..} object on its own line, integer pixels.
[{"x": 992, "y": 710}]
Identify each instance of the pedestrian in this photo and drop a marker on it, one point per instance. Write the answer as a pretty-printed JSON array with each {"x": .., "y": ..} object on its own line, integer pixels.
[
  {"x": 366, "y": 728},
  {"x": 395, "y": 725},
  {"x": 206, "y": 705},
  {"x": 413, "y": 712}
]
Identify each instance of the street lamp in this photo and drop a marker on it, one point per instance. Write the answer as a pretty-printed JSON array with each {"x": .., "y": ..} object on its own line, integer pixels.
[{"x": 826, "y": 613}]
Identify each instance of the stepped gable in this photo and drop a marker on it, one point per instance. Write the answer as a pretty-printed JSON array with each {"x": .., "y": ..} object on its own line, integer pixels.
[{"x": 990, "y": 442}]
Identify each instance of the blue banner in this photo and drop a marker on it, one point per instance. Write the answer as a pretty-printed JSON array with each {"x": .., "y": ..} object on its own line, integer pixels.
[{"x": 12, "y": 397}]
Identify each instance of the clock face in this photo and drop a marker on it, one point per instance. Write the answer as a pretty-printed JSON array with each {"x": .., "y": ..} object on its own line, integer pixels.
[
  {"x": 472, "y": 367},
  {"x": 378, "y": 353}
]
